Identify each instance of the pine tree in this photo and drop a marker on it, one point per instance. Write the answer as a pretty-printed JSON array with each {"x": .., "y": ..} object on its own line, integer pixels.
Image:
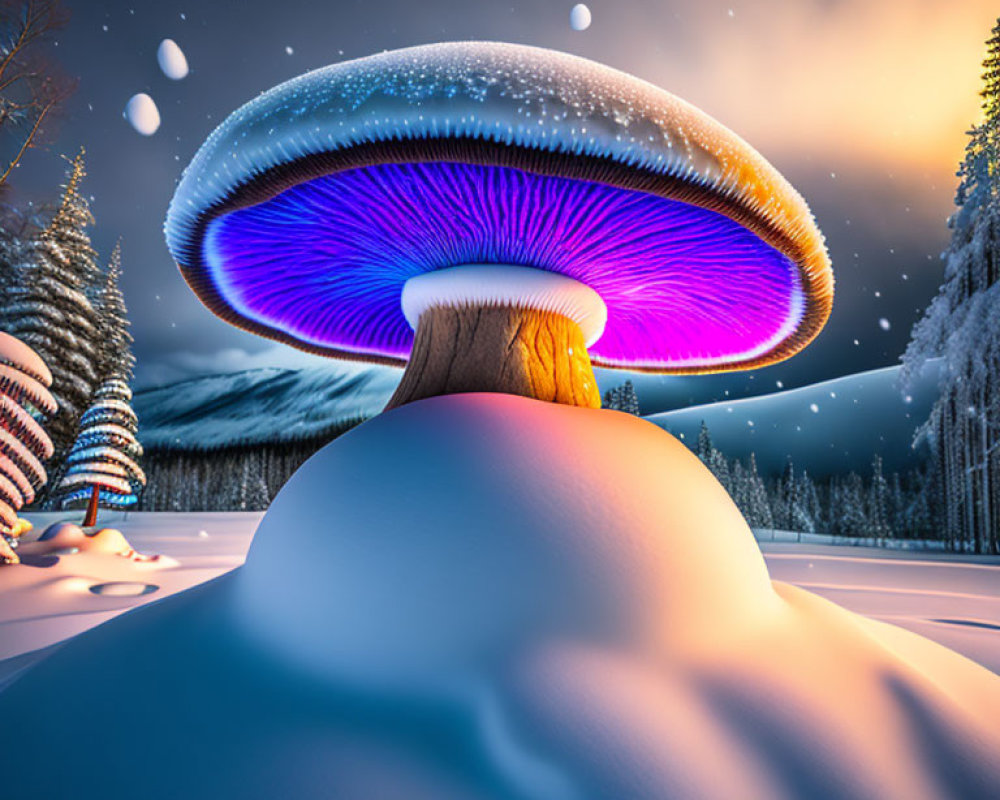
[
  {"x": 102, "y": 463},
  {"x": 917, "y": 518},
  {"x": 792, "y": 512},
  {"x": 48, "y": 308},
  {"x": 758, "y": 513},
  {"x": 850, "y": 516},
  {"x": 962, "y": 327},
  {"x": 115, "y": 345},
  {"x": 878, "y": 503},
  {"x": 622, "y": 398},
  {"x": 718, "y": 465},
  {"x": 811, "y": 509},
  {"x": 897, "y": 507},
  {"x": 255, "y": 496},
  {"x": 704, "y": 443},
  {"x": 739, "y": 487}
]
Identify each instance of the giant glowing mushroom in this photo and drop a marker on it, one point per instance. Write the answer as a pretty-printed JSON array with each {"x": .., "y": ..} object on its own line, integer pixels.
[
  {"x": 24, "y": 395},
  {"x": 489, "y": 213}
]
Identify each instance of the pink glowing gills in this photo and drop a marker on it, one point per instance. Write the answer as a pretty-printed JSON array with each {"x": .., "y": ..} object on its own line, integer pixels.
[
  {"x": 24, "y": 379},
  {"x": 312, "y": 212}
]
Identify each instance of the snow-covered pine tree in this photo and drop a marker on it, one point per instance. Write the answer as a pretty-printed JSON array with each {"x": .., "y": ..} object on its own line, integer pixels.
[
  {"x": 630, "y": 400},
  {"x": 739, "y": 487},
  {"x": 792, "y": 510},
  {"x": 758, "y": 512},
  {"x": 48, "y": 308},
  {"x": 103, "y": 459},
  {"x": 917, "y": 517},
  {"x": 833, "y": 506},
  {"x": 247, "y": 492},
  {"x": 704, "y": 443},
  {"x": 718, "y": 465},
  {"x": 102, "y": 463},
  {"x": 114, "y": 347},
  {"x": 962, "y": 327},
  {"x": 877, "y": 523},
  {"x": 850, "y": 516},
  {"x": 622, "y": 398},
  {"x": 786, "y": 496},
  {"x": 811, "y": 508},
  {"x": 897, "y": 507},
  {"x": 256, "y": 496}
]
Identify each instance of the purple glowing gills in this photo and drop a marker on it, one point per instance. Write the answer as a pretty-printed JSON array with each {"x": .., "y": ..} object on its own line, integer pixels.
[{"x": 326, "y": 260}]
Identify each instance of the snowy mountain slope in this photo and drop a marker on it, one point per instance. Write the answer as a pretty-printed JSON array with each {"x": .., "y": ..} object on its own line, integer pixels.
[
  {"x": 827, "y": 428},
  {"x": 855, "y": 417},
  {"x": 267, "y": 404}
]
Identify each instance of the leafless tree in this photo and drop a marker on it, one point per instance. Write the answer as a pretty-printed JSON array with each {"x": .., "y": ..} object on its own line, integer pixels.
[{"x": 31, "y": 84}]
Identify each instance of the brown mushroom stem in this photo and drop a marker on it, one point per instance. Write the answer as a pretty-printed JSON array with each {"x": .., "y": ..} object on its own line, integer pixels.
[{"x": 523, "y": 351}]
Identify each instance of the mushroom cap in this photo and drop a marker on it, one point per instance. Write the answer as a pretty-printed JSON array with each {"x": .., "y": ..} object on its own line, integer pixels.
[
  {"x": 13, "y": 473},
  {"x": 22, "y": 386},
  {"x": 25, "y": 427},
  {"x": 15, "y": 353},
  {"x": 307, "y": 210},
  {"x": 23, "y": 458}
]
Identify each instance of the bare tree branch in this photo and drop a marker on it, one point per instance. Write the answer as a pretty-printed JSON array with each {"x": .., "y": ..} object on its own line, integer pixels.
[{"x": 31, "y": 84}]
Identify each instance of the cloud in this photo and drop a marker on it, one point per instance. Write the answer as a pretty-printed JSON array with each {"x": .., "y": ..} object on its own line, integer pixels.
[{"x": 883, "y": 90}]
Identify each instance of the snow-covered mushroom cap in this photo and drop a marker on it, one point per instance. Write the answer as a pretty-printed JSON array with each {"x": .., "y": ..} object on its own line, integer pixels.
[
  {"x": 15, "y": 353},
  {"x": 306, "y": 211}
]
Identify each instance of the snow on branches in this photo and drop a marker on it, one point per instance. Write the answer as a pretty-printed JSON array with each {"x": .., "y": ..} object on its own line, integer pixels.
[{"x": 962, "y": 327}]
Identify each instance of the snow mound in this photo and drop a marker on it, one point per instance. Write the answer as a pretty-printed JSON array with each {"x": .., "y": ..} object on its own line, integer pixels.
[{"x": 485, "y": 596}]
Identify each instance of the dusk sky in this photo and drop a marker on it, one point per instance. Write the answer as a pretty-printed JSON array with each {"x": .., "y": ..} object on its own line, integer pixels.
[{"x": 862, "y": 104}]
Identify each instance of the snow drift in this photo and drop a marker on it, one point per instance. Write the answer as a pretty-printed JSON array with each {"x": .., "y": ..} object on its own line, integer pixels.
[{"x": 484, "y": 596}]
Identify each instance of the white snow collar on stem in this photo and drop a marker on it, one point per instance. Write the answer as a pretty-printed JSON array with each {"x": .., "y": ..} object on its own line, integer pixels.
[{"x": 498, "y": 285}]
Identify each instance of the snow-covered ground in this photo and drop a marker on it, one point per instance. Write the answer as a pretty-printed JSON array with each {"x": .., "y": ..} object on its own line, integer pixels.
[
  {"x": 553, "y": 621},
  {"x": 954, "y": 600},
  {"x": 52, "y": 597}
]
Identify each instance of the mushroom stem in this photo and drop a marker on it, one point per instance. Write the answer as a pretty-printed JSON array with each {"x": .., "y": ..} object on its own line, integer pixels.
[{"x": 507, "y": 349}]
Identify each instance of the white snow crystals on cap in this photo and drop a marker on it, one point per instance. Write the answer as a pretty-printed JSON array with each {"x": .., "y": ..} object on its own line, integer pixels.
[
  {"x": 172, "y": 60},
  {"x": 142, "y": 114},
  {"x": 503, "y": 285}
]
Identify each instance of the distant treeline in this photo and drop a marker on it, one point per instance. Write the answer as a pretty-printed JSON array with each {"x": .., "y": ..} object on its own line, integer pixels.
[
  {"x": 875, "y": 505},
  {"x": 237, "y": 478}
]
